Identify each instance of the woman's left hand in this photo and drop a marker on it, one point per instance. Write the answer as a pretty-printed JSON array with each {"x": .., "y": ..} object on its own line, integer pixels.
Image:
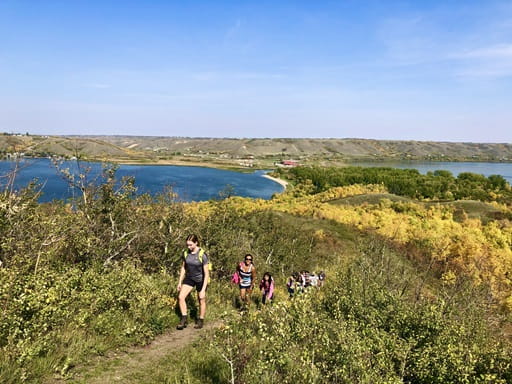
[{"x": 202, "y": 294}]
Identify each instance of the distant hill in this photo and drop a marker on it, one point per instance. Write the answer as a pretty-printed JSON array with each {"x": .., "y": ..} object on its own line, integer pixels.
[
  {"x": 152, "y": 148},
  {"x": 64, "y": 146},
  {"x": 349, "y": 148}
]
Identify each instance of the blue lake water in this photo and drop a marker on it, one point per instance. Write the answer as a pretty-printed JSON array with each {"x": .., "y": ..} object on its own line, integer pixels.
[
  {"x": 190, "y": 183},
  {"x": 199, "y": 183}
]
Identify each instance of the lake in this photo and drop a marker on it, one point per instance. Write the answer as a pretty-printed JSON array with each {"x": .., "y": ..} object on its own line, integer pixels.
[
  {"x": 190, "y": 183},
  {"x": 200, "y": 183}
]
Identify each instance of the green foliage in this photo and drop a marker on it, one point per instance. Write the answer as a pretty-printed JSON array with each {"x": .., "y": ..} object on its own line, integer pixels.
[
  {"x": 367, "y": 326},
  {"x": 86, "y": 277},
  {"x": 42, "y": 312},
  {"x": 438, "y": 185},
  {"x": 279, "y": 242},
  {"x": 104, "y": 225}
]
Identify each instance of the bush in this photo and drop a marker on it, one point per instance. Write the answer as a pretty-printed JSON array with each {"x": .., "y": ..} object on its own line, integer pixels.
[{"x": 43, "y": 312}]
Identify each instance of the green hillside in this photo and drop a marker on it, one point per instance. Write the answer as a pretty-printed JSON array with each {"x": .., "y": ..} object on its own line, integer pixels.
[
  {"x": 462, "y": 208},
  {"x": 415, "y": 292}
]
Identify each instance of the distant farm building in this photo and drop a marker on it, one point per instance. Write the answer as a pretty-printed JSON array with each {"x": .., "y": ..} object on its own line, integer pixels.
[{"x": 288, "y": 163}]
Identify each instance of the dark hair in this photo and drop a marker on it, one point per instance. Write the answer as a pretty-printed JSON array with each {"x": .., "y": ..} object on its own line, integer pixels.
[
  {"x": 248, "y": 255},
  {"x": 193, "y": 238},
  {"x": 270, "y": 278}
]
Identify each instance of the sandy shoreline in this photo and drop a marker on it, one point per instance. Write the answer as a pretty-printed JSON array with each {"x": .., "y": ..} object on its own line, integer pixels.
[
  {"x": 229, "y": 166},
  {"x": 279, "y": 181},
  {"x": 180, "y": 163}
]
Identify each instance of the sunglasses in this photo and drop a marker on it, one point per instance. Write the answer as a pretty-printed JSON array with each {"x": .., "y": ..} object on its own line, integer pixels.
[{"x": 248, "y": 259}]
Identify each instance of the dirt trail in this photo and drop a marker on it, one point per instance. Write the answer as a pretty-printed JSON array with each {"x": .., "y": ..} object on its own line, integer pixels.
[{"x": 118, "y": 367}]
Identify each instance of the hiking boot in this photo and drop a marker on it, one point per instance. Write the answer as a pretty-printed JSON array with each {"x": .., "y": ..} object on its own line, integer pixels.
[
  {"x": 199, "y": 324},
  {"x": 183, "y": 323}
]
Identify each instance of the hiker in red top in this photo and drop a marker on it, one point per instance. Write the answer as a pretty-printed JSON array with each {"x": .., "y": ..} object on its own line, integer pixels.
[{"x": 267, "y": 288}]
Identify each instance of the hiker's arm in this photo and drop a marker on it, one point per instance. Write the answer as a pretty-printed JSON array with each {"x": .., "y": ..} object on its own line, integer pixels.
[
  {"x": 206, "y": 271},
  {"x": 271, "y": 289},
  {"x": 182, "y": 275},
  {"x": 253, "y": 273}
]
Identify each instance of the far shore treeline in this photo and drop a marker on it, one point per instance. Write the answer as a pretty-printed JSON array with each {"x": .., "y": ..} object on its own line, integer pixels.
[
  {"x": 437, "y": 185},
  {"x": 418, "y": 286}
]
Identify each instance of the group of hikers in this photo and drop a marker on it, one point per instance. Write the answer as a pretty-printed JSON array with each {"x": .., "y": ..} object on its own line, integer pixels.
[
  {"x": 245, "y": 277},
  {"x": 195, "y": 273},
  {"x": 300, "y": 281}
]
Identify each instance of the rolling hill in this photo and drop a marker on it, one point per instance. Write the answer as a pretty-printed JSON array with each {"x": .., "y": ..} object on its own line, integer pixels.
[{"x": 139, "y": 148}]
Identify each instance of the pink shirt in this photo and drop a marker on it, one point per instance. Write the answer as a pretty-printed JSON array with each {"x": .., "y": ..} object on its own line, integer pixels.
[{"x": 268, "y": 289}]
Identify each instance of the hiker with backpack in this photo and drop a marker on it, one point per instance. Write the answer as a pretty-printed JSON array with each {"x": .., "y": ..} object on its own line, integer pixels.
[
  {"x": 247, "y": 277},
  {"x": 194, "y": 273},
  {"x": 321, "y": 278},
  {"x": 292, "y": 284},
  {"x": 313, "y": 280},
  {"x": 267, "y": 288}
]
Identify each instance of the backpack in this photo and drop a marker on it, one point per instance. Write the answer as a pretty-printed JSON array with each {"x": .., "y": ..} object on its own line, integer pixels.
[
  {"x": 235, "y": 277},
  {"x": 200, "y": 256}
]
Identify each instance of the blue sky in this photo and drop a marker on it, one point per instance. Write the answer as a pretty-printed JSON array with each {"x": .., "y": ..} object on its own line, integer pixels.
[{"x": 399, "y": 70}]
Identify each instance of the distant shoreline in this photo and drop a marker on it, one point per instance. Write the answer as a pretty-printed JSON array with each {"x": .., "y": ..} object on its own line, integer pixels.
[
  {"x": 281, "y": 182},
  {"x": 178, "y": 163}
]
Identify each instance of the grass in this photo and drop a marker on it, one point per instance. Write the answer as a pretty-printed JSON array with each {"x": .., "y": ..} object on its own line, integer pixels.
[
  {"x": 370, "y": 198},
  {"x": 472, "y": 209},
  {"x": 197, "y": 363},
  {"x": 201, "y": 362}
]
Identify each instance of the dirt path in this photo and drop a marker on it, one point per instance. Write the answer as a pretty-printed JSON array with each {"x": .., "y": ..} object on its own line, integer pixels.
[{"x": 118, "y": 367}]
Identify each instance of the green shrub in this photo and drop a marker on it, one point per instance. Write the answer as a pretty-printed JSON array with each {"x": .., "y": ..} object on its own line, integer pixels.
[{"x": 121, "y": 305}]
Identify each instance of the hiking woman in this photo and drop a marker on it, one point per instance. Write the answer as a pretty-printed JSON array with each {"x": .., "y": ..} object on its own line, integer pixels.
[
  {"x": 194, "y": 274},
  {"x": 267, "y": 288},
  {"x": 292, "y": 283},
  {"x": 247, "y": 273}
]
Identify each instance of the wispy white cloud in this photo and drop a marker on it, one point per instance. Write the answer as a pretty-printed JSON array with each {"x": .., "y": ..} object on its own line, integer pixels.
[
  {"x": 257, "y": 76},
  {"x": 238, "y": 39},
  {"x": 478, "y": 50},
  {"x": 98, "y": 85},
  {"x": 493, "y": 61},
  {"x": 205, "y": 76},
  {"x": 410, "y": 40},
  {"x": 489, "y": 72},
  {"x": 227, "y": 76},
  {"x": 233, "y": 30},
  {"x": 493, "y": 52}
]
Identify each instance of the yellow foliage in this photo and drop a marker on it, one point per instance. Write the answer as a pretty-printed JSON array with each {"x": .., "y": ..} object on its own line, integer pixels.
[
  {"x": 449, "y": 278},
  {"x": 351, "y": 190},
  {"x": 319, "y": 234},
  {"x": 471, "y": 248},
  {"x": 480, "y": 251},
  {"x": 507, "y": 303}
]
